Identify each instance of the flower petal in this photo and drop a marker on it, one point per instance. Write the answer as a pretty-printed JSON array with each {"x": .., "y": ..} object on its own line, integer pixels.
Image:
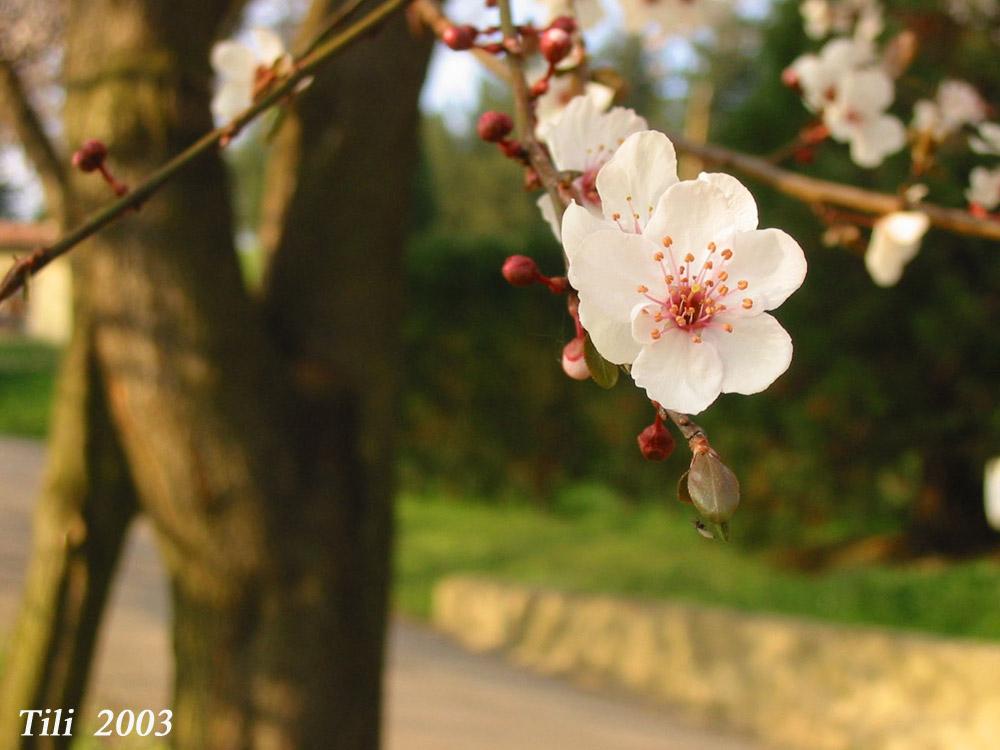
[
  {"x": 771, "y": 263},
  {"x": 269, "y": 46},
  {"x": 643, "y": 167},
  {"x": 753, "y": 356},
  {"x": 678, "y": 373},
  {"x": 741, "y": 201},
  {"x": 692, "y": 214},
  {"x": 548, "y": 211},
  {"x": 878, "y": 138},
  {"x": 231, "y": 99},
  {"x": 233, "y": 61},
  {"x": 577, "y": 223},
  {"x": 607, "y": 269}
]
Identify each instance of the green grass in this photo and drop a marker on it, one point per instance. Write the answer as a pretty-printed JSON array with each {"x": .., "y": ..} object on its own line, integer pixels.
[
  {"x": 27, "y": 379},
  {"x": 655, "y": 553}
]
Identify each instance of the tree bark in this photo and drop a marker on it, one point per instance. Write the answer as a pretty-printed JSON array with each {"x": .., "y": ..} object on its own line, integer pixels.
[{"x": 80, "y": 526}]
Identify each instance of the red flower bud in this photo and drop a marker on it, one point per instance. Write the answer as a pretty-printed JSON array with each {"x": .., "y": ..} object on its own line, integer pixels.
[
  {"x": 493, "y": 127},
  {"x": 566, "y": 23},
  {"x": 574, "y": 363},
  {"x": 90, "y": 156},
  {"x": 460, "y": 38},
  {"x": 655, "y": 442},
  {"x": 513, "y": 150},
  {"x": 555, "y": 44},
  {"x": 540, "y": 87},
  {"x": 557, "y": 284},
  {"x": 790, "y": 78},
  {"x": 520, "y": 270}
]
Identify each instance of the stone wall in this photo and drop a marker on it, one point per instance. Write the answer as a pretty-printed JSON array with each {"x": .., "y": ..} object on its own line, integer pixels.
[{"x": 798, "y": 684}]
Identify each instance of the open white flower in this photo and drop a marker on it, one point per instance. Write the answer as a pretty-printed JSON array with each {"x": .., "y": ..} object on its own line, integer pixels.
[
  {"x": 819, "y": 75},
  {"x": 671, "y": 16},
  {"x": 988, "y": 139},
  {"x": 957, "y": 104},
  {"x": 675, "y": 279},
  {"x": 824, "y": 17},
  {"x": 238, "y": 66},
  {"x": 583, "y": 140},
  {"x": 857, "y": 116},
  {"x": 588, "y": 13},
  {"x": 895, "y": 242},
  {"x": 984, "y": 187},
  {"x": 551, "y": 105}
]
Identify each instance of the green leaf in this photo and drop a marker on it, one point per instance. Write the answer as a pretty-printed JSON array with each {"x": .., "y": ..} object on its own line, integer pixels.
[{"x": 603, "y": 372}]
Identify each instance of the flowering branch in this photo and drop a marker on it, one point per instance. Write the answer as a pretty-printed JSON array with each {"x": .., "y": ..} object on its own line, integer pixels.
[
  {"x": 429, "y": 13},
  {"x": 22, "y": 269},
  {"x": 814, "y": 190}
]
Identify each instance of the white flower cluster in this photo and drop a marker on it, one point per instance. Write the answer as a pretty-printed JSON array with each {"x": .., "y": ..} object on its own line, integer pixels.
[
  {"x": 825, "y": 17},
  {"x": 239, "y": 67},
  {"x": 847, "y": 85}
]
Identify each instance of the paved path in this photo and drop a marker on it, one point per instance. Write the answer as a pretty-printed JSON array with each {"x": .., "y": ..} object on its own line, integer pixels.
[{"x": 439, "y": 696}]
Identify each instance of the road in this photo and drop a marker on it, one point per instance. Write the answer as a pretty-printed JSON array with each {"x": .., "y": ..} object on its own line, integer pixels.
[{"x": 439, "y": 697}]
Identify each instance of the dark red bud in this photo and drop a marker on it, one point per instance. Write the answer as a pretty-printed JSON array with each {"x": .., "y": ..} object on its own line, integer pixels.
[
  {"x": 655, "y": 442},
  {"x": 460, "y": 38},
  {"x": 513, "y": 150},
  {"x": 520, "y": 270},
  {"x": 540, "y": 87},
  {"x": 90, "y": 156},
  {"x": 493, "y": 127},
  {"x": 566, "y": 23},
  {"x": 494, "y": 48},
  {"x": 804, "y": 155},
  {"x": 574, "y": 361},
  {"x": 555, "y": 44}
]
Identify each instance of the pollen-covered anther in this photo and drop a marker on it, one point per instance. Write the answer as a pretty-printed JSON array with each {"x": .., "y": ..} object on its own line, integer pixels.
[
  {"x": 708, "y": 265},
  {"x": 723, "y": 290},
  {"x": 616, "y": 216},
  {"x": 642, "y": 288},
  {"x": 741, "y": 285},
  {"x": 727, "y": 254},
  {"x": 655, "y": 333},
  {"x": 696, "y": 339},
  {"x": 723, "y": 276},
  {"x": 727, "y": 327},
  {"x": 657, "y": 256},
  {"x": 681, "y": 321},
  {"x": 668, "y": 241},
  {"x": 689, "y": 258},
  {"x": 658, "y": 317},
  {"x": 711, "y": 247},
  {"x": 747, "y": 303}
]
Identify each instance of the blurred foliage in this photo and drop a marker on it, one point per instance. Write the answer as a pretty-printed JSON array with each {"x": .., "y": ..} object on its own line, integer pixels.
[
  {"x": 891, "y": 397},
  {"x": 27, "y": 382}
]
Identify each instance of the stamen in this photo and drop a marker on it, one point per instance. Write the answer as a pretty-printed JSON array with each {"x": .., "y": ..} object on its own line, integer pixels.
[
  {"x": 741, "y": 285},
  {"x": 747, "y": 303},
  {"x": 723, "y": 290},
  {"x": 723, "y": 275},
  {"x": 696, "y": 339},
  {"x": 657, "y": 256},
  {"x": 642, "y": 288},
  {"x": 727, "y": 254},
  {"x": 727, "y": 327},
  {"x": 667, "y": 241},
  {"x": 655, "y": 333},
  {"x": 711, "y": 247},
  {"x": 689, "y": 258}
]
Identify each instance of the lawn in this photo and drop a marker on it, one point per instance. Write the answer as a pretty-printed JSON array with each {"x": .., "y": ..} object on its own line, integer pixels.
[
  {"x": 27, "y": 378},
  {"x": 655, "y": 553},
  {"x": 598, "y": 544}
]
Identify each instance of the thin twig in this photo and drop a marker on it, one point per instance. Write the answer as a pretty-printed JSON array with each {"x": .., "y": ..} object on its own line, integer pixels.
[
  {"x": 691, "y": 430},
  {"x": 41, "y": 257},
  {"x": 814, "y": 190},
  {"x": 430, "y": 14}
]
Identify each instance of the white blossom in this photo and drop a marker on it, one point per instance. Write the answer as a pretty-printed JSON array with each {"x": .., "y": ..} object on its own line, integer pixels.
[
  {"x": 984, "y": 187},
  {"x": 825, "y": 17},
  {"x": 957, "y": 104},
  {"x": 675, "y": 278},
  {"x": 988, "y": 139},
  {"x": 819, "y": 75},
  {"x": 588, "y": 13},
  {"x": 549, "y": 107},
  {"x": 895, "y": 241},
  {"x": 671, "y": 16},
  {"x": 583, "y": 140},
  {"x": 237, "y": 67},
  {"x": 857, "y": 116}
]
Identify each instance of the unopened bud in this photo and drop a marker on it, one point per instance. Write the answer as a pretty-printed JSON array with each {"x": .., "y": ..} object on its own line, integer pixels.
[
  {"x": 513, "y": 150},
  {"x": 555, "y": 44},
  {"x": 460, "y": 38},
  {"x": 520, "y": 270},
  {"x": 566, "y": 23},
  {"x": 714, "y": 489},
  {"x": 655, "y": 442},
  {"x": 790, "y": 78},
  {"x": 540, "y": 87},
  {"x": 493, "y": 127},
  {"x": 90, "y": 156},
  {"x": 574, "y": 362}
]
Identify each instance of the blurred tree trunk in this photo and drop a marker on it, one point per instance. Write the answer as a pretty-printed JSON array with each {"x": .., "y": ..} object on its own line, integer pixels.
[
  {"x": 259, "y": 443},
  {"x": 949, "y": 515}
]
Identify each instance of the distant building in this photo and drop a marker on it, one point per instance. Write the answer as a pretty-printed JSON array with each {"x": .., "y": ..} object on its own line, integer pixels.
[{"x": 47, "y": 313}]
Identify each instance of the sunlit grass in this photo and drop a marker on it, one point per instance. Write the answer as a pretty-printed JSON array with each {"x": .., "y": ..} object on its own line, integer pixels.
[
  {"x": 27, "y": 380},
  {"x": 655, "y": 553}
]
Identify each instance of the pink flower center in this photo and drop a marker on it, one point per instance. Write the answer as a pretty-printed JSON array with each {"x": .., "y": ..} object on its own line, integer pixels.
[{"x": 692, "y": 296}]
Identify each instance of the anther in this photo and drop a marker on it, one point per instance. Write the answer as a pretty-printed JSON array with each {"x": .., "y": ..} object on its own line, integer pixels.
[
  {"x": 657, "y": 256},
  {"x": 711, "y": 247},
  {"x": 655, "y": 333},
  {"x": 727, "y": 327},
  {"x": 747, "y": 303},
  {"x": 742, "y": 285},
  {"x": 727, "y": 254},
  {"x": 696, "y": 339},
  {"x": 689, "y": 258},
  {"x": 724, "y": 275},
  {"x": 668, "y": 241},
  {"x": 642, "y": 288}
]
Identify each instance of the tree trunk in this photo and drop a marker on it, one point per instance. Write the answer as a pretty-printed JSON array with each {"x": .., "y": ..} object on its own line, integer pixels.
[
  {"x": 260, "y": 445},
  {"x": 80, "y": 525}
]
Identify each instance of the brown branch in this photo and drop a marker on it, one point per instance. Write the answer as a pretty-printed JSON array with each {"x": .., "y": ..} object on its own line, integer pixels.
[
  {"x": 17, "y": 109},
  {"x": 691, "y": 430},
  {"x": 430, "y": 14},
  {"x": 814, "y": 190},
  {"x": 23, "y": 269}
]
